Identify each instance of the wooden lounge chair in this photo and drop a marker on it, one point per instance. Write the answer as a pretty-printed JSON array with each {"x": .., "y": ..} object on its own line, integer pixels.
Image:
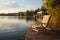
[{"x": 43, "y": 24}]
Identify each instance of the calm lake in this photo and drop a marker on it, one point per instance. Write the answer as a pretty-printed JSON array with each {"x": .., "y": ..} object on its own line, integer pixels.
[{"x": 14, "y": 28}]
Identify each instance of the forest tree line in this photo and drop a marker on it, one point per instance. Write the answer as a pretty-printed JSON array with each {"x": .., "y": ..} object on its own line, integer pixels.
[{"x": 27, "y": 13}]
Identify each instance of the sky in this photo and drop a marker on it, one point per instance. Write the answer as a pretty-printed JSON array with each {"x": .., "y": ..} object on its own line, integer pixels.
[{"x": 11, "y": 6}]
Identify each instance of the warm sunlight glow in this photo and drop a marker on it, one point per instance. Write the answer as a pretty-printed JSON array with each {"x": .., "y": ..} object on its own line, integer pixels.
[{"x": 10, "y": 6}]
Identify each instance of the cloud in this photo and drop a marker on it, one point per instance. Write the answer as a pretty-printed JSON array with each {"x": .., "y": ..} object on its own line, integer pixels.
[
  {"x": 5, "y": 5},
  {"x": 9, "y": 6}
]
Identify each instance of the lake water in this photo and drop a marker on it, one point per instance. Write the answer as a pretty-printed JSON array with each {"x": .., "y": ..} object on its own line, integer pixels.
[{"x": 14, "y": 28}]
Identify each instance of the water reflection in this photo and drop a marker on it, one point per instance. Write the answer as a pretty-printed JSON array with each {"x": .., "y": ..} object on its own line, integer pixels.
[{"x": 11, "y": 28}]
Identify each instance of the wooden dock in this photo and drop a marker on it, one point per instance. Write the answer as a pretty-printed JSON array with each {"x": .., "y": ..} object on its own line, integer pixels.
[{"x": 42, "y": 35}]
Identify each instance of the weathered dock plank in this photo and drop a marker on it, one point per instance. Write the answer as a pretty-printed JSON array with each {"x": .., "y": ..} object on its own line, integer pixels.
[{"x": 42, "y": 35}]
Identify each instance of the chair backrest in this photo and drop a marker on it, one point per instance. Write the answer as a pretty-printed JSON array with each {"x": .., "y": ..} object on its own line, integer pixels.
[{"x": 45, "y": 20}]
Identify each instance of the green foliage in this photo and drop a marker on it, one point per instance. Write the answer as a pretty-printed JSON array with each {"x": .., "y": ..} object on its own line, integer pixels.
[
  {"x": 27, "y": 13},
  {"x": 53, "y": 7},
  {"x": 36, "y": 11},
  {"x": 32, "y": 12},
  {"x": 55, "y": 3},
  {"x": 20, "y": 14}
]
